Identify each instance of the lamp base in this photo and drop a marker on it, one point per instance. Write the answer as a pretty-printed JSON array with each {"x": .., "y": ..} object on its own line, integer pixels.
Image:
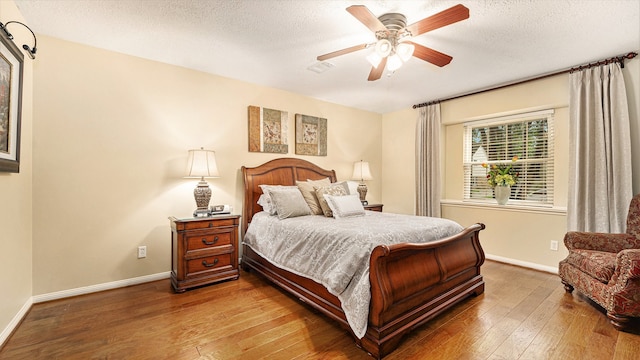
[
  {"x": 202, "y": 194},
  {"x": 201, "y": 213},
  {"x": 362, "y": 191}
]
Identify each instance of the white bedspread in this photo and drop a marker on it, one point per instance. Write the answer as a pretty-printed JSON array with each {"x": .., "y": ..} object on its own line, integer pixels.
[{"x": 336, "y": 252}]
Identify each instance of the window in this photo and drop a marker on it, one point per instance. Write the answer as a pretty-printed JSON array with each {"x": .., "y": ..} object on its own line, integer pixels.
[{"x": 528, "y": 136}]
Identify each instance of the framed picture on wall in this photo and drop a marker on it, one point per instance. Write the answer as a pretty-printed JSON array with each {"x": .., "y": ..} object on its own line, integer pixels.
[
  {"x": 268, "y": 130},
  {"x": 311, "y": 135},
  {"x": 11, "y": 63}
]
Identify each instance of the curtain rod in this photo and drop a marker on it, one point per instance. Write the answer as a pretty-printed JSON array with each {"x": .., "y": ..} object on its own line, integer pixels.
[{"x": 619, "y": 59}]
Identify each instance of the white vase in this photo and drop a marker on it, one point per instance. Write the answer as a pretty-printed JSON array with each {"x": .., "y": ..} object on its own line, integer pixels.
[{"x": 502, "y": 194}]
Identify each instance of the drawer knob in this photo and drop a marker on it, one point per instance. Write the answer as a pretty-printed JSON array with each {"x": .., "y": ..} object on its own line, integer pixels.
[
  {"x": 206, "y": 264},
  {"x": 215, "y": 240},
  {"x": 210, "y": 224}
]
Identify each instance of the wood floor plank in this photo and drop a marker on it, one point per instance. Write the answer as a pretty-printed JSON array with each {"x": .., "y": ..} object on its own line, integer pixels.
[
  {"x": 573, "y": 343},
  {"x": 627, "y": 347},
  {"x": 523, "y": 314},
  {"x": 544, "y": 344},
  {"x": 518, "y": 341}
]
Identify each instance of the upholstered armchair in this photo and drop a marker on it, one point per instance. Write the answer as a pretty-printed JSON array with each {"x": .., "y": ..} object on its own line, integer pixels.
[{"x": 606, "y": 268}]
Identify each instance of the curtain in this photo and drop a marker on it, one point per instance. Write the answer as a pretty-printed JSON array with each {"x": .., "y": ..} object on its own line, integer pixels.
[
  {"x": 600, "y": 178},
  {"x": 428, "y": 161}
]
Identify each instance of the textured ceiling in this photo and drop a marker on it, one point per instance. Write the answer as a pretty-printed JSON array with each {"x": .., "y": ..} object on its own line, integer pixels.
[{"x": 273, "y": 42}]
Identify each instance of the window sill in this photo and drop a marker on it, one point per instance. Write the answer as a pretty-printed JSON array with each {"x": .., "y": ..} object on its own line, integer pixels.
[{"x": 552, "y": 210}]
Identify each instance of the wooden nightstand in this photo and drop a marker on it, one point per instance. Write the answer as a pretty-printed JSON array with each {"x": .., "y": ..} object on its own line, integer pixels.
[
  {"x": 374, "y": 207},
  {"x": 203, "y": 250}
]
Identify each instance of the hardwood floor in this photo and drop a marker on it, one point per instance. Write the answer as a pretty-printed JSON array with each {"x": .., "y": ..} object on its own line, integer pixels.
[{"x": 523, "y": 314}]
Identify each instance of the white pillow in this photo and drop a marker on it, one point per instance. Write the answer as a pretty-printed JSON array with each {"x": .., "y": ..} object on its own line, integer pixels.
[
  {"x": 353, "y": 187},
  {"x": 345, "y": 206},
  {"x": 289, "y": 203},
  {"x": 265, "y": 198},
  {"x": 265, "y": 202}
]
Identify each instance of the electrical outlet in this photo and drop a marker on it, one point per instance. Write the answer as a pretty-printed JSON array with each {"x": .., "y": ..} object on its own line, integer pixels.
[
  {"x": 554, "y": 245},
  {"x": 142, "y": 252}
]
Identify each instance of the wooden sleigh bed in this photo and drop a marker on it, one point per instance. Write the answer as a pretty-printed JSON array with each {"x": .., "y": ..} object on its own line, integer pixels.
[{"x": 410, "y": 283}]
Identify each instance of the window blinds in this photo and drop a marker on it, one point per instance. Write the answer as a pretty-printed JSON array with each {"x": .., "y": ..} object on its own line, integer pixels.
[{"x": 527, "y": 136}]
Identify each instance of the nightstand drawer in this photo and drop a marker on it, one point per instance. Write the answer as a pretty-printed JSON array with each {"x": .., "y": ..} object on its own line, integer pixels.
[
  {"x": 208, "y": 223},
  {"x": 214, "y": 263},
  {"x": 208, "y": 240}
]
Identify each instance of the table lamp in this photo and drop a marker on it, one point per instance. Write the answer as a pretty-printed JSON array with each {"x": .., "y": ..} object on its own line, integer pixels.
[
  {"x": 361, "y": 172},
  {"x": 202, "y": 164}
]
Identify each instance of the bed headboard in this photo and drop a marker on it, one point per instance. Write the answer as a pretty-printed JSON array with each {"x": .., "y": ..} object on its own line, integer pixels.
[{"x": 283, "y": 171}]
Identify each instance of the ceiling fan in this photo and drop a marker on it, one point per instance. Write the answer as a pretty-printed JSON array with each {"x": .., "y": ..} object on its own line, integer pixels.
[{"x": 393, "y": 46}]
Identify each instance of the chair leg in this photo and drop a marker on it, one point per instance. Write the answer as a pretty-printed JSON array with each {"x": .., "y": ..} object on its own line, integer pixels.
[
  {"x": 620, "y": 322},
  {"x": 568, "y": 287}
]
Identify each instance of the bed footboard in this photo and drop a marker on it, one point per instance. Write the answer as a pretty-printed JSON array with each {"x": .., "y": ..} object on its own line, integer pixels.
[{"x": 412, "y": 283}]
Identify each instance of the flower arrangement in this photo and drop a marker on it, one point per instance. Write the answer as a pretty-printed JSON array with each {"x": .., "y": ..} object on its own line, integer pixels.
[{"x": 501, "y": 174}]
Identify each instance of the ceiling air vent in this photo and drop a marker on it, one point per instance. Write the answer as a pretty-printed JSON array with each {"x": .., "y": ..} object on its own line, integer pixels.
[{"x": 320, "y": 67}]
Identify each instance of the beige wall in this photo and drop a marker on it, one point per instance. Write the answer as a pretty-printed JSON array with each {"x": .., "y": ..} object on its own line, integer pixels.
[
  {"x": 398, "y": 160},
  {"x": 15, "y": 200},
  {"x": 520, "y": 236},
  {"x": 112, "y": 133}
]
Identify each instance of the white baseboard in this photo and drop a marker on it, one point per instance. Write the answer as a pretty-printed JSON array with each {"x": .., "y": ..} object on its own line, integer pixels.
[
  {"x": 4, "y": 335},
  {"x": 549, "y": 269},
  {"x": 99, "y": 287}
]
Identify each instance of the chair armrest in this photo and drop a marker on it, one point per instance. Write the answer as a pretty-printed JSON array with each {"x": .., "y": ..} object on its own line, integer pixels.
[
  {"x": 624, "y": 286},
  {"x": 628, "y": 264},
  {"x": 600, "y": 241}
]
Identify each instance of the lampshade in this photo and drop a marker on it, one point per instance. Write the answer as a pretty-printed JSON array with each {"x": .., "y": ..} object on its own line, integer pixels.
[
  {"x": 405, "y": 51},
  {"x": 202, "y": 164},
  {"x": 384, "y": 47},
  {"x": 394, "y": 62},
  {"x": 361, "y": 171},
  {"x": 374, "y": 59}
]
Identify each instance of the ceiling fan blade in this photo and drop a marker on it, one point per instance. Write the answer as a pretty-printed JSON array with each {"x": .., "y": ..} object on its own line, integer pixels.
[
  {"x": 430, "y": 55},
  {"x": 365, "y": 16},
  {"x": 342, "y": 52},
  {"x": 443, "y": 18},
  {"x": 376, "y": 72}
]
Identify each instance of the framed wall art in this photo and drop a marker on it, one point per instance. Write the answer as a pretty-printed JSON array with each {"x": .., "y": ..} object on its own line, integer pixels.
[
  {"x": 268, "y": 130},
  {"x": 11, "y": 63},
  {"x": 311, "y": 135}
]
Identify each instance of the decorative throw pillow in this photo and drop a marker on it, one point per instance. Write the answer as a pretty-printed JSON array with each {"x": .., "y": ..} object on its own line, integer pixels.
[
  {"x": 309, "y": 194},
  {"x": 265, "y": 202},
  {"x": 337, "y": 190},
  {"x": 345, "y": 184},
  {"x": 289, "y": 203},
  {"x": 345, "y": 206}
]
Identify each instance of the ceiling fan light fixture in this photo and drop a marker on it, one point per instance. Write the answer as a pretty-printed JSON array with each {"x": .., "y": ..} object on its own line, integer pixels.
[
  {"x": 374, "y": 59},
  {"x": 405, "y": 51},
  {"x": 383, "y": 47},
  {"x": 392, "y": 45},
  {"x": 394, "y": 62}
]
